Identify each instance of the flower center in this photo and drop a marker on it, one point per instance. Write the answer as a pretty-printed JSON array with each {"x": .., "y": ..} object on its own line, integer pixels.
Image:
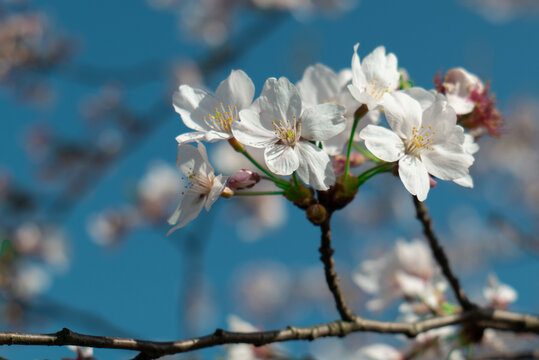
[
  {"x": 422, "y": 139},
  {"x": 199, "y": 184},
  {"x": 222, "y": 118},
  {"x": 377, "y": 88},
  {"x": 288, "y": 131}
]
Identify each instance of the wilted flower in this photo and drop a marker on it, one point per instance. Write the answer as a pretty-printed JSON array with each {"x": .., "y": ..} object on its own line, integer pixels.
[{"x": 471, "y": 100}]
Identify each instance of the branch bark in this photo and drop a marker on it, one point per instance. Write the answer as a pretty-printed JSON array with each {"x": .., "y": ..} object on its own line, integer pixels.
[
  {"x": 440, "y": 256},
  {"x": 332, "y": 279},
  {"x": 497, "y": 319}
]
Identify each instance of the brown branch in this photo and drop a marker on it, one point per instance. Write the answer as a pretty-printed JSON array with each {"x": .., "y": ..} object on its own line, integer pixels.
[
  {"x": 525, "y": 355},
  {"x": 498, "y": 319},
  {"x": 332, "y": 279},
  {"x": 439, "y": 254}
]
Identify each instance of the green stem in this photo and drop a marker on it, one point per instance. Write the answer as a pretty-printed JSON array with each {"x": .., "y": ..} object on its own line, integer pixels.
[
  {"x": 258, "y": 193},
  {"x": 363, "y": 177},
  {"x": 279, "y": 182},
  {"x": 357, "y": 116},
  {"x": 296, "y": 182},
  {"x": 367, "y": 153}
]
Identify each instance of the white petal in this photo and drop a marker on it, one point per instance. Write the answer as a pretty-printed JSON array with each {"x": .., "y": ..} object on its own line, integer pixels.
[
  {"x": 209, "y": 136},
  {"x": 461, "y": 105},
  {"x": 441, "y": 117},
  {"x": 383, "y": 143},
  {"x": 358, "y": 77},
  {"x": 219, "y": 185},
  {"x": 191, "y": 160},
  {"x": 363, "y": 97},
  {"x": 424, "y": 97},
  {"x": 250, "y": 131},
  {"x": 236, "y": 90},
  {"x": 281, "y": 159},
  {"x": 279, "y": 101},
  {"x": 447, "y": 164},
  {"x": 466, "y": 181},
  {"x": 402, "y": 113},
  {"x": 188, "y": 209},
  {"x": 382, "y": 68},
  {"x": 319, "y": 84},
  {"x": 193, "y": 105},
  {"x": 315, "y": 166},
  {"x": 322, "y": 122},
  {"x": 414, "y": 176}
]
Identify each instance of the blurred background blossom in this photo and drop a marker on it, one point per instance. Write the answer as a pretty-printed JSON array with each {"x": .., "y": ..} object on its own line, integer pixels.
[{"x": 88, "y": 164}]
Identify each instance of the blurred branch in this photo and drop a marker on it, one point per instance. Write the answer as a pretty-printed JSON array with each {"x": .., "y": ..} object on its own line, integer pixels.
[
  {"x": 161, "y": 110},
  {"x": 514, "y": 233},
  {"x": 526, "y": 355},
  {"x": 151, "y": 349},
  {"x": 332, "y": 279},
  {"x": 439, "y": 254},
  {"x": 84, "y": 317}
]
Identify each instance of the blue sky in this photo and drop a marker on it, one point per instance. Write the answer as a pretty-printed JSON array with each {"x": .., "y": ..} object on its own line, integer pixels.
[{"x": 137, "y": 286}]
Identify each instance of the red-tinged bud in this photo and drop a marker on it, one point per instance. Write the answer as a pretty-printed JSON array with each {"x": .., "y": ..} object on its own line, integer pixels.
[
  {"x": 243, "y": 179},
  {"x": 432, "y": 182},
  {"x": 316, "y": 214}
]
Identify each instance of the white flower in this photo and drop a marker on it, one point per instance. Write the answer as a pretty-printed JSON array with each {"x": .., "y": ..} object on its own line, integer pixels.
[
  {"x": 203, "y": 186},
  {"x": 83, "y": 353},
  {"x": 211, "y": 116},
  {"x": 458, "y": 86},
  {"x": 280, "y": 124},
  {"x": 408, "y": 270},
  {"x": 374, "y": 78},
  {"x": 470, "y": 147},
  {"x": 320, "y": 85},
  {"x": 379, "y": 352},
  {"x": 499, "y": 295},
  {"x": 423, "y": 142}
]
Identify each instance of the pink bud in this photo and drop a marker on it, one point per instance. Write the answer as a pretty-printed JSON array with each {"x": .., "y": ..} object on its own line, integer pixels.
[
  {"x": 432, "y": 182},
  {"x": 243, "y": 179}
]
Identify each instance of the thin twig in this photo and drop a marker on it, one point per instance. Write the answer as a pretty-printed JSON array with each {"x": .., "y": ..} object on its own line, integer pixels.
[
  {"x": 524, "y": 355},
  {"x": 326, "y": 255},
  {"x": 152, "y": 349},
  {"x": 440, "y": 256}
]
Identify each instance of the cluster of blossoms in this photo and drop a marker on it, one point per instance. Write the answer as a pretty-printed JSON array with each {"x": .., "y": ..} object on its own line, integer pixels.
[
  {"x": 29, "y": 254},
  {"x": 307, "y": 131}
]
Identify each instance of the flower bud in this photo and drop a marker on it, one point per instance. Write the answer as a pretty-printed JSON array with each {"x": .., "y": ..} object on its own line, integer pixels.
[
  {"x": 243, "y": 179},
  {"x": 432, "y": 182},
  {"x": 316, "y": 214}
]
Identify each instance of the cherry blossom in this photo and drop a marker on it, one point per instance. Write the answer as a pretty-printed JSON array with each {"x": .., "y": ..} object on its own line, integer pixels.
[
  {"x": 203, "y": 186},
  {"x": 281, "y": 124},
  {"x": 422, "y": 141},
  {"x": 212, "y": 115},
  {"x": 320, "y": 85},
  {"x": 374, "y": 78},
  {"x": 458, "y": 86},
  {"x": 499, "y": 295},
  {"x": 408, "y": 271}
]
